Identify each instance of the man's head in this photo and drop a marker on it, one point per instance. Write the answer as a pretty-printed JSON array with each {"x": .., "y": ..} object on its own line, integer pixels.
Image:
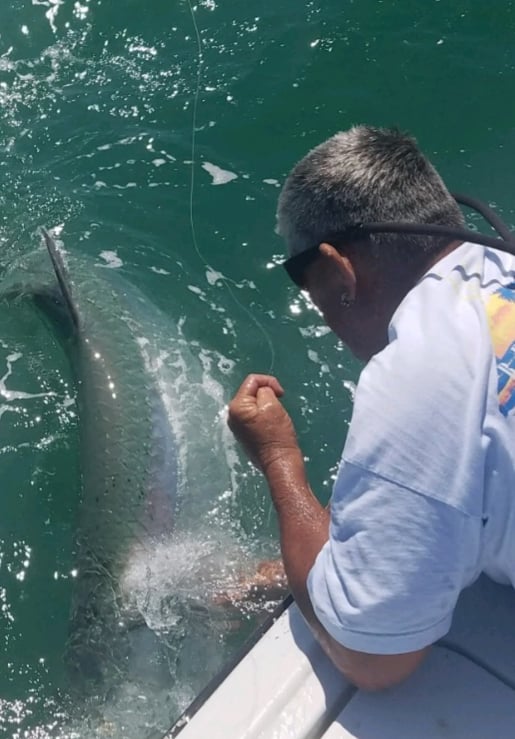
[{"x": 364, "y": 175}]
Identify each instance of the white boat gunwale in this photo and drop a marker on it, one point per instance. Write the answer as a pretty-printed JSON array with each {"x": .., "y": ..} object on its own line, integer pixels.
[{"x": 227, "y": 668}]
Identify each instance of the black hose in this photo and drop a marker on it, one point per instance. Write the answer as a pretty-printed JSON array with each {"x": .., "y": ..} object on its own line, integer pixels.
[
  {"x": 505, "y": 243},
  {"x": 488, "y": 214},
  {"x": 296, "y": 265},
  {"x": 432, "y": 229}
]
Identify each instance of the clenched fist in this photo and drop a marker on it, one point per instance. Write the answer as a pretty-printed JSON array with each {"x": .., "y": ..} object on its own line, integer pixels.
[{"x": 260, "y": 423}]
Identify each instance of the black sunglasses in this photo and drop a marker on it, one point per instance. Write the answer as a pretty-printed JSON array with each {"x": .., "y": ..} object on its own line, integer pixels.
[{"x": 296, "y": 266}]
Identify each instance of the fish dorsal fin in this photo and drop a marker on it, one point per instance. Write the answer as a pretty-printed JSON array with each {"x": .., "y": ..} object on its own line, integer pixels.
[{"x": 61, "y": 272}]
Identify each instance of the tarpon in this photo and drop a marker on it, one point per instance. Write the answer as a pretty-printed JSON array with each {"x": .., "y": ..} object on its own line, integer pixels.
[{"x": 129, "y": 462}]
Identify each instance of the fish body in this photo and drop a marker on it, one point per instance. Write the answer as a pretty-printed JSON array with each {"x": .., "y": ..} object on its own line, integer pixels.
[{"x": 129, "y": 461}]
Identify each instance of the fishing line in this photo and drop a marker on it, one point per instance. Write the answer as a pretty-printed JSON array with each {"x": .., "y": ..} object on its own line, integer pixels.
[{"x": 225, "y": 280}]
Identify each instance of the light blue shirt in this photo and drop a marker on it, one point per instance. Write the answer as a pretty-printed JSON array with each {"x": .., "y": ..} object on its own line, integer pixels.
[{"x": 424, "y": 499}]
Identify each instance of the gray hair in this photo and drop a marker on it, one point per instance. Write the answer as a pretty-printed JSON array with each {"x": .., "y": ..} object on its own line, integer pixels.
[{"x": 366, "y": 174}]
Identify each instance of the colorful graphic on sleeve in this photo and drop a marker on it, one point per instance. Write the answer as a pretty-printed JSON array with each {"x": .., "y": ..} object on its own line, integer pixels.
[{"x": 500, "y": 310}]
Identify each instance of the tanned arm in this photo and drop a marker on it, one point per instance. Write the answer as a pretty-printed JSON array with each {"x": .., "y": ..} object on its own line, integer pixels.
[{"x": 261, "y": 424}]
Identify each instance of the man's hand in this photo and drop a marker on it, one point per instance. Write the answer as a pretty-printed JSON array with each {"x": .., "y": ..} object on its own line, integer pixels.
[
  {"x": 260, "y": 423},
  {"x": 268, "y": 583}
]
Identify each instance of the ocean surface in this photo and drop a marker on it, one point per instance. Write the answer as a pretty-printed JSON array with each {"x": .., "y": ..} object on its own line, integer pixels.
[{"x": 152, "y": 138}]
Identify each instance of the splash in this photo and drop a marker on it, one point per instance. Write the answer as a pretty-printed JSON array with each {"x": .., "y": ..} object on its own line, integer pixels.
[{"x": 179, "y": 576}]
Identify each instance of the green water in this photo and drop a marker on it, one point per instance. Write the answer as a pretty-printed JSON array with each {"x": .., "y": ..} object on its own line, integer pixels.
[{"x": 97, "y": 102}]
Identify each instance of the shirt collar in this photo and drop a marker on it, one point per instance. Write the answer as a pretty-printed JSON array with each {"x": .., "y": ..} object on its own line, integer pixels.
[
  {"x": 462, "y": 255},
  {"x": 457, "y": 256}
]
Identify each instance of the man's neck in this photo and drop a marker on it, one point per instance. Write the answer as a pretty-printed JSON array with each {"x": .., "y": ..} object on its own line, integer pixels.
[
  {"x": 407, "y": 282},
  {"x": 445, "y": 251},
  {"x": 389, "y": 293}
]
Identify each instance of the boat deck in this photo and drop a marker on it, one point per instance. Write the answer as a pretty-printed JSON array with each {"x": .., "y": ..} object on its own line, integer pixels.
[{"x": 285, "y": 687}]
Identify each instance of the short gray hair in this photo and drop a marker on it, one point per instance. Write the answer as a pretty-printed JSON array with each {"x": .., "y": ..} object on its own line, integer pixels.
[{"x": 366, "y": 174}]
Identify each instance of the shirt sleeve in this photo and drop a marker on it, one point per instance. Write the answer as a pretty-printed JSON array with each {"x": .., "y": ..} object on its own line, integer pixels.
[
  {"x": 407, "y": 505},
  {"x": 388, "y": 579}
]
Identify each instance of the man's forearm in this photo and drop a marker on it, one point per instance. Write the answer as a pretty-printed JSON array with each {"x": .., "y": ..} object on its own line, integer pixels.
[
  {"x": 304, "y": 529},
  {"x": 303, "y": 524}
]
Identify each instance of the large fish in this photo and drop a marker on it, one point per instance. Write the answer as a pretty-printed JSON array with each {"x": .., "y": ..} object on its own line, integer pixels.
[{"x": 129, "y": 465}]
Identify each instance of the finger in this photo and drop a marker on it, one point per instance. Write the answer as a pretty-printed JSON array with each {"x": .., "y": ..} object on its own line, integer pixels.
[
  {"x": 266, "y": 396},
  {"x": 252, "y": 383}
]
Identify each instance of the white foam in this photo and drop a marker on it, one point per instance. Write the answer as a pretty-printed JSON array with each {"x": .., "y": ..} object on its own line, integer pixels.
[
  {"x": 17, "y": 394},
  {"x": 212, "y": 276},
  {"x": 351, "y": 388},
  {"x": 56, "y": 231},
  {"x": 196, "y": 290},
  {"x": 112, "y": 260},
  {"x": 53, "y": 9},
  {"x": 142, "y": 49},
  {"x": 160, "y": 580},
  {"x": 220, "y": 176},
  {"x": 80, "y": 11},
  {"x": 314, "y": 332}
]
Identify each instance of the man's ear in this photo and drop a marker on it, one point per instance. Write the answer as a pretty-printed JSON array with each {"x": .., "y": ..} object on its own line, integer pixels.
[{"x": 342, "y": 266}]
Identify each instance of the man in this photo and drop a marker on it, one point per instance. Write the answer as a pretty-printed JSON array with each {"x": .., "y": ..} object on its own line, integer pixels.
[{"x": 424, "y": 499}]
